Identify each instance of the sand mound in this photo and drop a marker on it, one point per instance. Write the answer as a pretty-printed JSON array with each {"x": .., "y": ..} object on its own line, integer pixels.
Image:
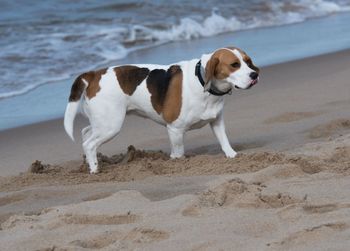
[
  {"x": 132, "y": 154},
  {"x": 139, "y": 164}
]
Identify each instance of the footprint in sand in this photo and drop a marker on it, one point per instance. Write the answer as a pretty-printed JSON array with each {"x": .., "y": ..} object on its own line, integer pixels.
[
  {"x": 8, "y": 199},
  {"x": 327, "y": 130},
  {"x": 16, "y": 220},
  {"x": 238, "y": 193},
  {"x": 145, "y": 235},
  {"x": 306, "y": 235},
  {"x": 291, "y": 117},
  {"x": 134, "y": 237},
  {"x": 100, "y": 241},
  {"x": 101, "y": 219},
  {"x": 323, "y": 208}
]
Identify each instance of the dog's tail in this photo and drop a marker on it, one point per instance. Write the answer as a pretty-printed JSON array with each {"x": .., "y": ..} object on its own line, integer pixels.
[{"x": 77, "y": 91}]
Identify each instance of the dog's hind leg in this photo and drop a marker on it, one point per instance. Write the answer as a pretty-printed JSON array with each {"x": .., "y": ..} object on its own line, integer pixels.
[
  {"x": 103, "y": 129},
  {"x": 85, "y": 133}
]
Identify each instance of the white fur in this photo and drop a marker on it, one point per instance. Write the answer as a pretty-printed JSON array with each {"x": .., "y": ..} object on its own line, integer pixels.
[{"x": 106, "y": 111}]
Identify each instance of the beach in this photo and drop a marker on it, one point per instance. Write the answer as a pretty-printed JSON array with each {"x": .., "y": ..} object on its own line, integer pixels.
[{"x": 286, "y": 190}]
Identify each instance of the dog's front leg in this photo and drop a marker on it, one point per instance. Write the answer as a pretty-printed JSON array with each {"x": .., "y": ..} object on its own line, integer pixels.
[
  {"x": 176, "y": 137},
  {"x": 218, "y": 127}
]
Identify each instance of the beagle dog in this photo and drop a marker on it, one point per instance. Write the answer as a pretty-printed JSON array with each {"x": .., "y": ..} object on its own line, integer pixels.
[{"x": 182, "y": 96}]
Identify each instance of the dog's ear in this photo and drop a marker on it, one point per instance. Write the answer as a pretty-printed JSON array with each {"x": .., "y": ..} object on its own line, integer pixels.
[{"x": 210, "y": 72}]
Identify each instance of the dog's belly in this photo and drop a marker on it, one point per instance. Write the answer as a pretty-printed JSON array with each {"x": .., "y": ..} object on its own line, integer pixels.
[
  {"x": 148, "y": 115},
  {"x": 200, "y": 124}
]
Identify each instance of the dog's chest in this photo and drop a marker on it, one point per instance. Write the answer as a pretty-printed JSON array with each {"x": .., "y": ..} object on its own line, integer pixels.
[{"x": 204, "y": 114}]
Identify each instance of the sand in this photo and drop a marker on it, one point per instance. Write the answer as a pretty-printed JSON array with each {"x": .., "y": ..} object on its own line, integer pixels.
[{"x": 286, "y": 190}]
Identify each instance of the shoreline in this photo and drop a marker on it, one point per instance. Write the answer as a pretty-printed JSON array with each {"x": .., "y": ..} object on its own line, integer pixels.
[
  {"x": 267, "y": 46},
  {"x": 55, "y": 119}
]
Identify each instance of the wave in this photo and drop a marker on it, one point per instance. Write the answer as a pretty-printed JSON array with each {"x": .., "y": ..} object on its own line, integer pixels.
[
  {"x": 65, "y": 52},
  {"x": 277, "y": 14}
]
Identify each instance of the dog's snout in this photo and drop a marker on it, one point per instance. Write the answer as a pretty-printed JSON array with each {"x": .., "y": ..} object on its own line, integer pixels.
[{"x": 253, "y": 75}]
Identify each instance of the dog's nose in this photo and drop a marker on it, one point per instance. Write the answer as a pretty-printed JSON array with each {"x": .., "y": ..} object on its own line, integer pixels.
[{"x": 253, "y": 75}]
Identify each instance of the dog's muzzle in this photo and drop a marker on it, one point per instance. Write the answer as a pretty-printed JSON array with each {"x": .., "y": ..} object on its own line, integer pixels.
[{"x": 252, "y": 83}]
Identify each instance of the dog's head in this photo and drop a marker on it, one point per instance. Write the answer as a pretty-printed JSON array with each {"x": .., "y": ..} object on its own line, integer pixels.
[{"x": 230, "y": 67}]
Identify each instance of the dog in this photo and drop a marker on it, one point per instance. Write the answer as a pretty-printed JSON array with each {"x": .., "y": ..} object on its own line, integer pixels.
[{"x": 182, "y": 96}]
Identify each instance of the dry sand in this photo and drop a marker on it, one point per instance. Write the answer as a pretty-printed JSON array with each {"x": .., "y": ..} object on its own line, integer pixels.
[{"x": 286, "y": 190}]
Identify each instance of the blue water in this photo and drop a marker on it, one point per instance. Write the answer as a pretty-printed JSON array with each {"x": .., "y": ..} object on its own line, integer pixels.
[{"x": 266, "y": 45}]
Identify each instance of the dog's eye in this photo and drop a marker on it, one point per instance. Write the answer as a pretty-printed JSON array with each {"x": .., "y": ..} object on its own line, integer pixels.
[
  {"x": 249, "y": 62},
  {"x": 235, "y": 65}
]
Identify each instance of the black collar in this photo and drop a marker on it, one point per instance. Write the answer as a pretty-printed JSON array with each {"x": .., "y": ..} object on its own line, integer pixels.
[{"x": 212, "y": 90}]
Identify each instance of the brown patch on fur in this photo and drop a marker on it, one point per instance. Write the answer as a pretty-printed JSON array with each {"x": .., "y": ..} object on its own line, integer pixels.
[
  {"x": 210, "y": 71},
  {"x": 93, "y": 79},
  {"x": 166, "y": 88},
  {"x": 77, "y": 90},
  {"x": 219, "y": 65},
  {"x": 172, "y": 104},
  {"x": 246, "y": 59},
  {"x": 129, "y": 77}
]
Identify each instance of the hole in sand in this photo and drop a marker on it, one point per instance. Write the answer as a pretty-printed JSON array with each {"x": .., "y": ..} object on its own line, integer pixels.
[
  {"x": 97, "y": 196},
  {"x": 99, "y": 241},
  {"x": 319, "y": 209}
]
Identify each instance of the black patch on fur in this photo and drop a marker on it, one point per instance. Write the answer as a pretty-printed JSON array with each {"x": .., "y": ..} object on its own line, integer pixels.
[{"x": 158, "y": 83}]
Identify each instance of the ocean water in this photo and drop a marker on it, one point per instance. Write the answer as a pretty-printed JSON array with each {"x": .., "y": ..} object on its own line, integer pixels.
[{"x": 45, "y": 44}]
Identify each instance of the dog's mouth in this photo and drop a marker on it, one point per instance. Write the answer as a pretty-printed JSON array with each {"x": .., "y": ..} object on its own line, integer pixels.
[{"x": 252, "y": 83}]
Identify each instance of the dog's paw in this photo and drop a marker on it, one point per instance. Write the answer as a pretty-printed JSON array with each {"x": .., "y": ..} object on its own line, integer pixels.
[
  {"x": 93, "y": 171},
  {"x": 230, "y": 154},
  {"x": 176, "y": 156}
]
